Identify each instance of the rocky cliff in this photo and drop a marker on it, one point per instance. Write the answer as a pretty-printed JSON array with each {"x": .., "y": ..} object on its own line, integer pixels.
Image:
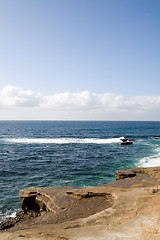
[{"x": 128, "y": 208}]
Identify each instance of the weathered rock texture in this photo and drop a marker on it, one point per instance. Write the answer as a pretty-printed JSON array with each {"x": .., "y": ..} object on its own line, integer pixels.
[
  {"x": 128, "y": 208},
  {"x": 64, "y": 203}
]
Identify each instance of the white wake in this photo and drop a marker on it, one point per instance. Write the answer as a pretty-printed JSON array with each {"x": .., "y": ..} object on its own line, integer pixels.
[{"x": 62, "y": 140}]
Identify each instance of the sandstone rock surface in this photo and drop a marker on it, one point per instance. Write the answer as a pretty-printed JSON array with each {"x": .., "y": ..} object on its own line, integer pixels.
[{"x": 128, "y": 208}]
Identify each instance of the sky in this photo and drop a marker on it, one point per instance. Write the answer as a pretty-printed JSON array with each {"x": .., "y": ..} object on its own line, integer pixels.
[{"x": 80, "y": 60}]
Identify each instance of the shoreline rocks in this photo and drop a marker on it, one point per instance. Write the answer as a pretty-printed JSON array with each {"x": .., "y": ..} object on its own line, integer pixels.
[
  {"x": 64, "y": 203},
  {"x": 12, "y": 221},
  {"x": 102, "y": 211}
]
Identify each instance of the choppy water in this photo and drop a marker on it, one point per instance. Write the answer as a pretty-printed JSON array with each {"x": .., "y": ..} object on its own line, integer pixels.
[{"x": 57, "y": 153}]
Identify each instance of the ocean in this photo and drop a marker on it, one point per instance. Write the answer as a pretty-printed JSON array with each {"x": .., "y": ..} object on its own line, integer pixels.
[{"x": 75, "y": 153}]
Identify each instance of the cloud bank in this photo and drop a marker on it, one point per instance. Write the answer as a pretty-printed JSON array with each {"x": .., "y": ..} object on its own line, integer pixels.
[{"x": 91, "y": 104}]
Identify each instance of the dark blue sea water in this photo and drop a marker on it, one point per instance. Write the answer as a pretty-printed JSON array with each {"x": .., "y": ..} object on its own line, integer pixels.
[{"x": 57, "y": 153}]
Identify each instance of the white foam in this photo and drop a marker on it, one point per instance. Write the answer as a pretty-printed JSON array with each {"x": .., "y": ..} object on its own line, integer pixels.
[
  {"x": 152, "y": 161},
  {"x": 8, "y": 214},
  {"x": 62, "y": 140},
  {"x": 13, "y": 215}
]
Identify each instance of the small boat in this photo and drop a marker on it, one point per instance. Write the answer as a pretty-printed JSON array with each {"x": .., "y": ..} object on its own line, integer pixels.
[{"x": 126, "y": 141}]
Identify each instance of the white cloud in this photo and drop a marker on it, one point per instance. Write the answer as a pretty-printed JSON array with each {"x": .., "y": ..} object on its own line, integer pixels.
[
  {"x": 84, "y": 105},
  {"x": 82, "y": 100},
  {"x": 14, "y": 96}
]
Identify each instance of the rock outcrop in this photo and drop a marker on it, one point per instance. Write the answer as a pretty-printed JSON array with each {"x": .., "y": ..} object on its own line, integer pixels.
[
  {"x": 65, "y": 203},
  {"x": 127, "y": 208}
]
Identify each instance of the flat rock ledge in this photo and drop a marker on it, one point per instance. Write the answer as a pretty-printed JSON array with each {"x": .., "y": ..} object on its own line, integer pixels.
[{"x": 127, "y": 208}]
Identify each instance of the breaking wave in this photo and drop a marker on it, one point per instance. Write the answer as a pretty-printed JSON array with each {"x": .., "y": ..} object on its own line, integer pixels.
[{"x": 151, "y": 161}]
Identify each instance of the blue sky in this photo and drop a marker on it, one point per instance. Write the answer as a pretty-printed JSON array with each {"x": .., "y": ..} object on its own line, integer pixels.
[{"x": 105, "y": 54}]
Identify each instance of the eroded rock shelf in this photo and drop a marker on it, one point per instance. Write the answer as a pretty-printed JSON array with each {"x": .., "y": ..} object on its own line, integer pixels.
[{"x": 127, "y": 208}]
